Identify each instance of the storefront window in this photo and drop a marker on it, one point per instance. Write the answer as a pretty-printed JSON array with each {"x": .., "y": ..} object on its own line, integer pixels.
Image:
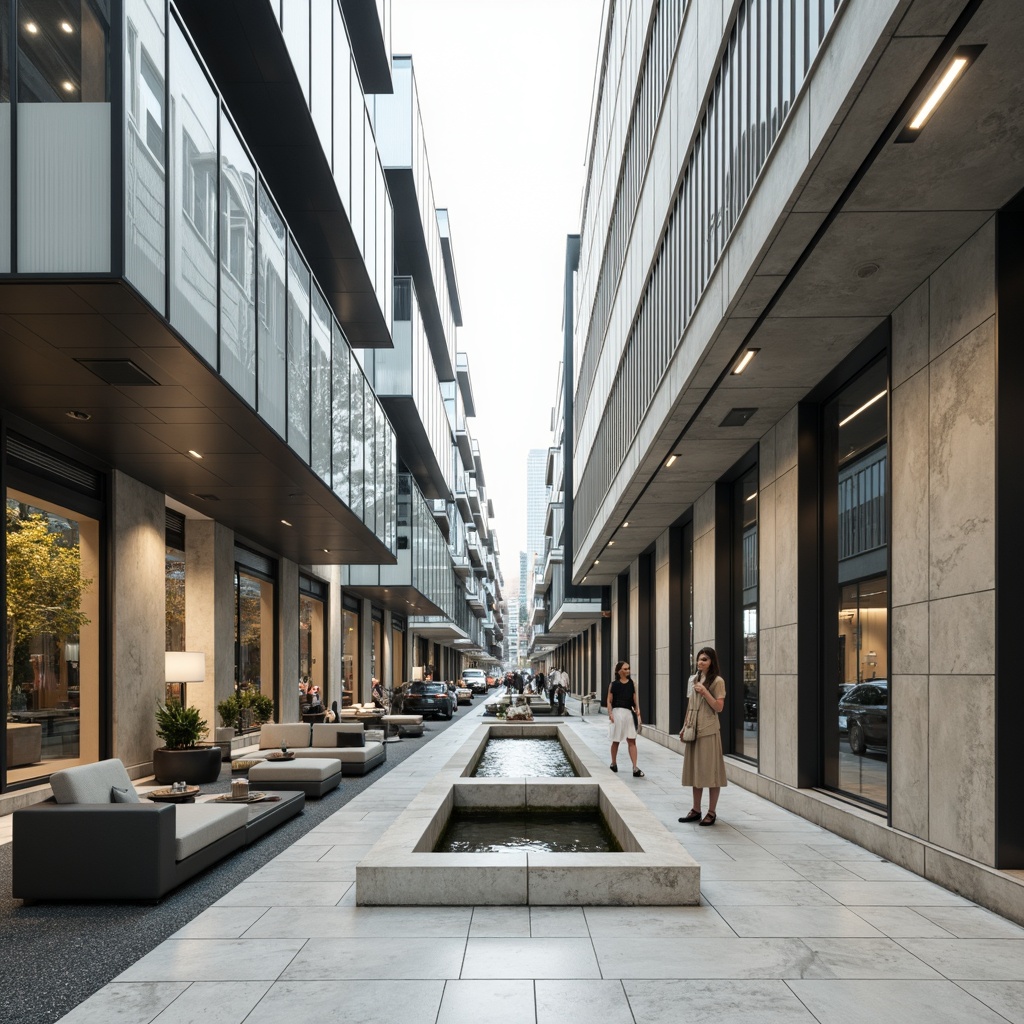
[
  {"x": 174, "y": 612},
  {"x": 350, "y": 655},
  {"x": 254, "y": 632},
  {"x": 397, "y": 655},
  {"x": 857, "y": 559},
  {"x": 376, "y": 645},
  {"x": 53, "y": 638},
  {"x": 312, "y": 660},
  {"x": 746, "y": 716}
]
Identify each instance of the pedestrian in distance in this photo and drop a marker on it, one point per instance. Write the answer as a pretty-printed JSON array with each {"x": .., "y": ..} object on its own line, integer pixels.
[
  {"x": 623, "y": 716},
  {"x": 703, "y": 761}
]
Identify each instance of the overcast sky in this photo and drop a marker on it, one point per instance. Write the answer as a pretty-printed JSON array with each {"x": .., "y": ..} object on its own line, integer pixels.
[{"x": 505, "y": 92}]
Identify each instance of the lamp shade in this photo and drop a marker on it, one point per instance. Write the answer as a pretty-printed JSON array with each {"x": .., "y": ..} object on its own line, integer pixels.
[{"x": 184, "y": 666}]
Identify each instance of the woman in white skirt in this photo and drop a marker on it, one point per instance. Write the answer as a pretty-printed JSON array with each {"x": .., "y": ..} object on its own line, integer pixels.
[{"x": 623, "y": 715}]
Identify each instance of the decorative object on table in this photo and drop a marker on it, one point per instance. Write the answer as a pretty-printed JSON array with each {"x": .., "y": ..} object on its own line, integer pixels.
[
  {"x": 181, "y": 756},
  {"x": 281, "y": 755},
  {"x": 243, "y": 764},
  {"x": 251, "y": 798},
  {"x": 239, "y": 789},
  {"x": 173, "y": 794}
]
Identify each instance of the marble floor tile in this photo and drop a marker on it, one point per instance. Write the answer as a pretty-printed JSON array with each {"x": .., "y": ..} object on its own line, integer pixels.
[
  {"x": 789, "y": 852},
  {"x": 815, "y": 869},
  {"x": 890, "y": 894},
  {"x": 500, "y": 921},
  {"x": 287, "y": 894},
  {"x": 214, "y": 960},
  {"x": 220, "y": 923},
  {"x": 747, "y": 870},
  {"x": 843, "y": 851},
  {"x": 1005, "y": 997},
  {"x": 864, "y": 959},
  {"x": 902, "y": 922},
  {"x": 357, "y": 959},
  {"x": 359, "y": 1002},
  {"x": 364, "y": 922},
  {"x": 972, "y": 922},
  {"x": 745, "y": 851},
  {"x": 558, "y": 922},
  {"x": 530, "y": 958},
  {"x": 488, "y": 1002},
  {"x": 891, "y": 1002},
  {"x": 702, "y": 957},
  {"x": 879, "y": 871},
  {"x": 597, "y": 1001},
  {"x": 322, "y": 870},
  {"x": 971, "y": 959},
  {"x": 301, "y": 853},
  {"x": 609, "y": 922},
  {"x": 126, "y": 1003},
  {"x": 802, "y": 893},
  {"x": 226, "y": 1002},
  {"x": 796, "y": 922},
  {"x": 711, "y": 1002}
]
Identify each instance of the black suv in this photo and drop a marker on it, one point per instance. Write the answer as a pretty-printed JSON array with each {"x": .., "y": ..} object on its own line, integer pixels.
[
  {"x": 428, "y": 699},
  {"x": 864, "y": 713}
]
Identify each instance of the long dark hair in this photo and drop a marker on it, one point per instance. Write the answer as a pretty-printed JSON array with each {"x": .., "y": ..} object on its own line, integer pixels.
[
  {"x": 615, "y": 675},
  {"x": 715, "y": 671}
]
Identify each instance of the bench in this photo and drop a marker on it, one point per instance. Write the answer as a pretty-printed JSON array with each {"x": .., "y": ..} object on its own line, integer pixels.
[{"x": 313, "y": 776}]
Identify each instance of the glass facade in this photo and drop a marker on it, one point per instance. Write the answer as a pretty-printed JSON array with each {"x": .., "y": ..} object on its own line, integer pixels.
[
  {"x": 254, "y": 633},
  {"x": 350, "y": 655},
  {"x": 857, "y": 564},
  {"x": 298, "y": 353},
  {"x": 745, "y": 540},
  {"x": 53, "y": 637},
  {"x": 313, "y": 679},
  {"x": 272, "y": 314}
]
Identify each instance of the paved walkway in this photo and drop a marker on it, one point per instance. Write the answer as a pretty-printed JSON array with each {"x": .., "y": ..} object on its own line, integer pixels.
[{"x": 795, "y": 926}]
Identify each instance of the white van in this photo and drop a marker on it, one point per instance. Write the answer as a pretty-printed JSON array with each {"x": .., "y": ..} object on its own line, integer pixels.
[{"x": 475, "y": 679}]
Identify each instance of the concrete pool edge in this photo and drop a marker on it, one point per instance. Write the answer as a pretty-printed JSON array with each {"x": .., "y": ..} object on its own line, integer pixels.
[{"x": 653, "y": 869}]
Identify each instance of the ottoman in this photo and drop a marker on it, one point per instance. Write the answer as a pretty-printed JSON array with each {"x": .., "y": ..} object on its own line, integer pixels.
[{"x": 313, "y": 776}]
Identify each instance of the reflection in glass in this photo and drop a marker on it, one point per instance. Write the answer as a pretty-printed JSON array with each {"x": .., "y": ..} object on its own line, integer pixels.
[
  {"x": 312, "y": 639},
  {"x": 254, "y": 633},
  {"x": 53, "y": 632},
  {"x": 238, "y": 265},
  {"x": 356, "y": 472},
  {"x": 320, "y": 71},
  {"x": 174, "y": 599},
  {"x": 145, "y": 148},
  {"x": 349, "y": 655},
  {"x": 397, "y": 658},
  {"x": 298, "y": 352},
  {"x": 369, "y": 456},
  {"x": 342, "y": 111},
  {"x": 320, "y": 425},
  {"x": 341, "y": 371},
  {"x": 58, "y": 64},
  {"x": 295, "y": 27},
  {"x": 746, "y": 522},
  {"x": 272, "y": 314},
  {"x": 194, "y": 200}
]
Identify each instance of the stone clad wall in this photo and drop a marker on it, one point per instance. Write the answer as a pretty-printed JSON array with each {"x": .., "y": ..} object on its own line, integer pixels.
[{"x": 943, "y": 554}]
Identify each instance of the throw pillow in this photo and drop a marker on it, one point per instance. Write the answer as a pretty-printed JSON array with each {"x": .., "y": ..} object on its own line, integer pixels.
[
  {"x": 119, "y": 795},
  {"x": 351, "y": 739}
]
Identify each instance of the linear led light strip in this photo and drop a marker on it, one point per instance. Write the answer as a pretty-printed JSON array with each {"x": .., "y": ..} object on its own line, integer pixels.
[
  {"x": 857, "y": 412},
  {"x": 953, "y": 72}
]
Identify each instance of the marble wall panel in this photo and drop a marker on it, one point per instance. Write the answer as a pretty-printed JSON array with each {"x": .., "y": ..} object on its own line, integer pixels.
[
  {"x": 139, "y": 618},
  {"x": 908, "y": 758},
  {"x": 962, "y": 634},
  {"x": 766, "y": 554},
  {"x": 766, "y": 457},
  {"x": 704, "y": 585},
  {"x": 909, "y": 468},
  {"x": 786, "y": 446},
  {"x": 909, "y": 637},
  {"x": 962, "y": 464},
  {"x": 963, "y": 290},
  {"x": 786, "y": 549},
  {"x": 910, "y": 340},
  {"x": 704, "y": 513},
  {"x": 786, "y": 714},
  {"x": 961, "y": 765},
  {"x": 766, "y": 723}
]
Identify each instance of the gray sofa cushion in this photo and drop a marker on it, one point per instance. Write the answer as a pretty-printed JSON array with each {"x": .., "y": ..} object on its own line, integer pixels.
[
  {"x": 302, "y": 769},
  {"x": 326, "y": 734},
  {"x": 89, "y": 783},
  {"x": 347, "y": 755},
  {"x": 351, "y": 739},
  {"x": 120, "y": 795},
  {"x": 198, "y": 825},
  {"x": 293, "y": 734}
]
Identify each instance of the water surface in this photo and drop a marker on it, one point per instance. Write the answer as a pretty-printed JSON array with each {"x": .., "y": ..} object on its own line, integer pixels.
[
  {"x": 581, "y": 830},
  {"x": 515, "y": 757}
]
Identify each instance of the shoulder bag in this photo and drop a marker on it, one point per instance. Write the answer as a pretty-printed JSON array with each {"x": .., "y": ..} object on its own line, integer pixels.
[{"x": 689, "y": 733}]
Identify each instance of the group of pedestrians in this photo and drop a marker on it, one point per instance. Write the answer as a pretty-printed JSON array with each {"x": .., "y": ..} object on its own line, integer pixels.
[{"x": 703, "y": 760}]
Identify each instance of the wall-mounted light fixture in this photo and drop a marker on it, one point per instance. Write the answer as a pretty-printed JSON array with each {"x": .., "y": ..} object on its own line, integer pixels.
[
  {"x": 744, "y": 360},
  {"x": 194, "y": 453},
  {"x": 672, "y": 458},
  {"x": 961, "y": 60}
]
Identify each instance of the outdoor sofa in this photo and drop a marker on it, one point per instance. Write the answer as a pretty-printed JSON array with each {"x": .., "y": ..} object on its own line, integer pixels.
[
  {"x": 81, "y": 845},
  {"x": 323, "y": 740}
]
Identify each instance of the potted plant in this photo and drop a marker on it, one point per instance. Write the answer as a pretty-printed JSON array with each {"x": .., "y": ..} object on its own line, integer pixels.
[{"x": 182, "y": 758}]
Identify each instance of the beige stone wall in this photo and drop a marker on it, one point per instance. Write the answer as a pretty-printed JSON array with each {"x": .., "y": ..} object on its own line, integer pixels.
[
  {"x": 943, "y": 554},
  {"x": 777, "y": 600},
  {"x": 139, "y": 620}
]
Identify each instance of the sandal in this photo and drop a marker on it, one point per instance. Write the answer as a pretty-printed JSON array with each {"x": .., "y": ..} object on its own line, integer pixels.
[
  {"x": 709, "y": 819},
  {"x": 614, "y": 767},
  {"x": 637, "y": 774},
  {"x": 694, "y": 815}
]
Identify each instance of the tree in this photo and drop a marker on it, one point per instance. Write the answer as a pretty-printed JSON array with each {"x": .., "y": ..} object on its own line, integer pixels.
[{"x": 44, "y": 582}]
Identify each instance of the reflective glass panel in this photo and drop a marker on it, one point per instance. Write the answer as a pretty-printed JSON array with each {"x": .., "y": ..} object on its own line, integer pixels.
[
  {"x": 746, "y": 719},
  {"x": 254, "y": 633},
  {"x": 342, "y": 110},
  {"x": 349, "y": 656},
  {"x": 295, "y": 26},
  {"x": 298, "y": 352},
  {"x": 312, "y": 649},
  {"x": 320, "y": 97},
  {"x": 356, "y": 454},
  {"x": 340, "y": 412},
  {"x": 271, "y": 319},
  {"x": 320, "y": 419}
]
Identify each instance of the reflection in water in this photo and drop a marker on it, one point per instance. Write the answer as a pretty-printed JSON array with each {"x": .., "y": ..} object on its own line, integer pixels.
[
  {"x": 511, "y": 757},
  {"x": 578, "y": 831}
]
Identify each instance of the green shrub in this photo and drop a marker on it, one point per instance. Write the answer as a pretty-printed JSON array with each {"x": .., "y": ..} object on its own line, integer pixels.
[{"x": 180, "y": 728}]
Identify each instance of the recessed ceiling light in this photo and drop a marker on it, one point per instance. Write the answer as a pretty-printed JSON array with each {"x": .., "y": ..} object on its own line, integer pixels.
[
  {"x": 672, "y": 458},
  {"x": 625, "y": 524},
  {"x": 77, "y": 414},
  {"x": 67, "y": 27},
  {"x": 31, "y": 28},
  {"x": 325, "y": 551},
  {"x": 962, "y": 59},
  {"x": 194, "y": 453},
  {"x": 611, "y": 543},
  {"x": 286, "y": 523},
  {"x": 68, "y": 86},
  {"x": 744, "y": 359}
]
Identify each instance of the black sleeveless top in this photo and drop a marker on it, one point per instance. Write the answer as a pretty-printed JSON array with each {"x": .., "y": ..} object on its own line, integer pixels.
[{"x": 622, "y": 694}]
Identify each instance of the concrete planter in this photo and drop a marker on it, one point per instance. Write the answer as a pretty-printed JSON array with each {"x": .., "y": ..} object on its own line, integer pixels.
[{"x": 194, "y": 766}]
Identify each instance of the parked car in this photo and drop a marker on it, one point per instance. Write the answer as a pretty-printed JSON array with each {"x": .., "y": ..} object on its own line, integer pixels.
[
  {"x": 844, "y": 689},
  {"x": 428, "y": 699},
  {"x": 463, "y": 694},
  {"x": 866, "y": 710},
  {"x": 474, "y": 679}
]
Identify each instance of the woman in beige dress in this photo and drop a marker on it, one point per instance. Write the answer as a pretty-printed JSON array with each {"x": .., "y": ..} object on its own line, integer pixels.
[{"x": 703, "y": 762}]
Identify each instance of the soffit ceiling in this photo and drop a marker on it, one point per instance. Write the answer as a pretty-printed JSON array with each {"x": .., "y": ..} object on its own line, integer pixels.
[{"x": 914, "y": 206}]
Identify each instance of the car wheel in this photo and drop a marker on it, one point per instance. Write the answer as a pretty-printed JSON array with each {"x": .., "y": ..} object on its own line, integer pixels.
[
  {"x": 857, "y": 744},
  {"x": 448, "y": 717}
]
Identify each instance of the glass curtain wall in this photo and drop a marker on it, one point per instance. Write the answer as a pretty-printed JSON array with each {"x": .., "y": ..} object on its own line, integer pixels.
[
  {"x": 312, "y": 644},
  {"x": 746, "y": 577},
  {"x": 53, "y": 637},
  {"x": 377, "y": 644},
  {"x": 298, "y": 352},
  {"x": 174, "y": 605},
  {"x": 398, "y": 672},
  {"x": 5, "y": 133},
  {"x": 857, "y": 575},
  {"x": 254, "y": 632}
]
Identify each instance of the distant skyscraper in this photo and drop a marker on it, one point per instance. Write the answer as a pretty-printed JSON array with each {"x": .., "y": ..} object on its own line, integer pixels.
[{"x": 536, "y": 501}]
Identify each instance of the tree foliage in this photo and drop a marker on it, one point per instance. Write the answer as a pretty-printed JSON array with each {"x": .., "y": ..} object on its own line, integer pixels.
[{"x": 44, "y": 582}]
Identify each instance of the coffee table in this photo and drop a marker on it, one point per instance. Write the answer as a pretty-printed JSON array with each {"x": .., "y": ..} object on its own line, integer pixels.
[
  {"x": 171, "y": 796},
  {"x": 268, "y": 813}
]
